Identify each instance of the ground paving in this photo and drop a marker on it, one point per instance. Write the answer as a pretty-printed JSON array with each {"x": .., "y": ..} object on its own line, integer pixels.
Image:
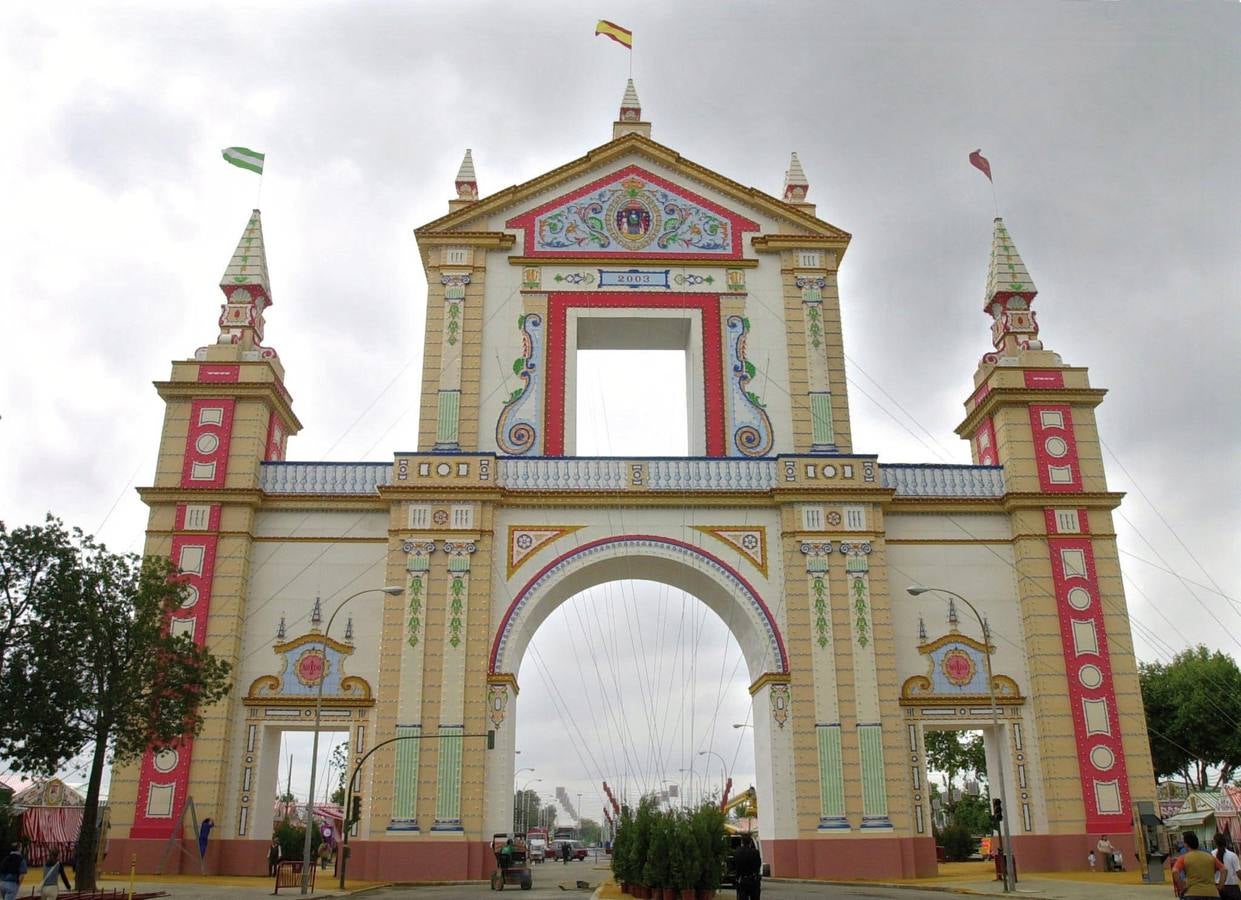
[{"x": 967, "y": 879}]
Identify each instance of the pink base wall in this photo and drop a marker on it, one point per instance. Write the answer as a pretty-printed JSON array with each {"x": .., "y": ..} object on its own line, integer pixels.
[
  {"x": 851, "y": 857},
  {"x": 429, "y": 859}
]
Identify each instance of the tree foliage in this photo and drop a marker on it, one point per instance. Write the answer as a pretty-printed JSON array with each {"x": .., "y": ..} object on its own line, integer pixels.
[
  {"x": 90, "y": 662},
  {"x": 953, "y": 753},
  {"x": 526, "y": 807},
  {"x": 1193, "y": 711}
]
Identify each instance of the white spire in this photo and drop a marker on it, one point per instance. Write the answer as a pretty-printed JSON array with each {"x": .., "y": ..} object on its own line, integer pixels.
[
  {"x": 796, "y": 185},
  {"x": 467, "y": 181},
  {"x": 629, "y": 121}
]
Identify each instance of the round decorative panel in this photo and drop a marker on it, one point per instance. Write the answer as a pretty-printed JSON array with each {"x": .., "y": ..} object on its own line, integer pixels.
[
  {"x": 165, "y": 760},
  {"x": 1090, "y": 676},
  {"x": 1079, "y": 598},
  {"x": 958, "y": 668},
  {"x": 311, "y": 667},
  {"x": 206, "y": 443},
  {"x": 440, "y": 517},
  {"x": 443, "y": 469},
  {"x": 1102, "y": 758},
  {"x": 1056, "y": 446},
  {"x": 191, "y": 596},
  {"x": 632, "y": 218}
]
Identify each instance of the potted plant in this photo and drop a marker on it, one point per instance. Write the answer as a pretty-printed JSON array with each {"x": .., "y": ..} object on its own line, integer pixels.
[
  {"x": 711, "y": 842},
  {"x": 684, "y": 863},
  {"x": 620, "y": 848},
  {"x": 655, "y": 872},
  {"x": 639, "y": 849}
]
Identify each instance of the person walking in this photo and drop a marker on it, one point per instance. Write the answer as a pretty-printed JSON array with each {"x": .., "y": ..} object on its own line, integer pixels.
[
  {"x": 1105, "y": 850},
  {"x": 273, "y": 856},
  {"x": 1193, "y": 875},
  {"x": 53, "y": 873},
  {"x": 11, "y": 871},
  {"x": 749, "y": 868},
  {"x": 1229, "y": 881},
  {"x": 565, "y": 852}
]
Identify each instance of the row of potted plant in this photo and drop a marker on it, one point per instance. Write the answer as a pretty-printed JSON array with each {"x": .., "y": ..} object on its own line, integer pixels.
[{"x": 669, "y": 854}]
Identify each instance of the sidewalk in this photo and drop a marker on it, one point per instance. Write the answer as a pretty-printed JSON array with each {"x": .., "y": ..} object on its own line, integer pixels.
[
  {"x": 224, "y": 887},
  {"x": 978, "y": 879}
]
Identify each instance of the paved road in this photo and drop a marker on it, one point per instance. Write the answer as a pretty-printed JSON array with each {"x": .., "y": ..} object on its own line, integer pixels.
[{"x": 547, "y": 879}]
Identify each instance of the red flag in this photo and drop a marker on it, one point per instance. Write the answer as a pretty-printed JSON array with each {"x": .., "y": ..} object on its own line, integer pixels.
[{"x": 979, "y": 162}]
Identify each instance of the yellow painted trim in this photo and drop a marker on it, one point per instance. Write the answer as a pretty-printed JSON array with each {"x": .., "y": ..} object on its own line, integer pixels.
[
  {"x": 769, "y": 678},
  {"x": 501, "y": 240},
  {"x": 319, "y": 540},
  {"x": 714, "y": 531},
  {"x": 917, "y": 542},
  {"x": 239, "y": 390},
  {"x": 615, "y": 149},
  {"x": 1003, "y": 396},
  {"x": 635, "y": 260},
  {"x": 774, "y": 242},
  {"x": 559, "y": 532},
  {"x": 505, "y": 678}
]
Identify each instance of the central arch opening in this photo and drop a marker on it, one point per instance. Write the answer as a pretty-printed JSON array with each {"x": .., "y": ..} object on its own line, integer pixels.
[{"x": 639, "y": 684}]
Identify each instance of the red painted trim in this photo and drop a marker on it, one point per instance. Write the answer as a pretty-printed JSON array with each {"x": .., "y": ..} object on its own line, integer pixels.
[
  {"x": 1044, "y": 460},
  {"x": 622, "y": 538},
  {"x": 708, "y": 305},
  {"x": 216, "y": 372},
  {"x": 737, "y": 223},
  {"x": 1044, "y": 378},
  {"x": 223, "y": 433},
  {"x": 145, "y": 826},
  {"x": 988, "y": 455},
  {"x": 1078, "y": 692},
  {"x": 275, "y": 445}
]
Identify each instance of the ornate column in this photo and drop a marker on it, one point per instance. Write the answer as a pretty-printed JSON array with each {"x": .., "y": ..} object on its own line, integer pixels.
[
  {"x": 823, "y": 431},
  {"x": 409, "y": 711},
  {"x": 866, "y": 687},
  {"x": 448, "y": 400},
  {"x": 826, "y": 698},
  {"x": 452, "y": 692}
]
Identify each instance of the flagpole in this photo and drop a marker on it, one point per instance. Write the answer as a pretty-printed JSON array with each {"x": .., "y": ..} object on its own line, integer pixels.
[
  {"x": 995, "y": 198},
  {"x": 259, "y": 202}
]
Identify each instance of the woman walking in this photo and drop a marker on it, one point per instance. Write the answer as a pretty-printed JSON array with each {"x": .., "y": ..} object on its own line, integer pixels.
[
  {"x": 53, "y": 873},
  {"x": 1229, "y": 880}
]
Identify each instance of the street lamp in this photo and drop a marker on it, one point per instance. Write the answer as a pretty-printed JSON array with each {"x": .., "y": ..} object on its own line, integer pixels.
[
  {"x": 392, "y": 591},
  {"x": 742, "y": 725},
  {"x": 1009, "y": 875},
  {"x": 723, "y": 767},
  {"x": 525, "y": 825}
]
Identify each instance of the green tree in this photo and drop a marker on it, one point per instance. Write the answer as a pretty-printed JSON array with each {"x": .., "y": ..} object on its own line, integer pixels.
[
  {"x": 1193, "y": 705},
  {"x": 99, "y": 668},
  {"x": 339, "y": 762},
  {"x": 589, "y": 832},
  {"x": 526, "y": 806},
  {"x": 955, "y": 753}
]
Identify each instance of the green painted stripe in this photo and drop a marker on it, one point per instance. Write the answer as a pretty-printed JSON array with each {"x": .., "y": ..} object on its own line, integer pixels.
[
  {"x": 874, "y": 793},
  {"x": 449, "y": 408},
  {"x": 831, "y": 772},
  {"x": 244, "y": 158},
  {"x": 405, "y": 803},
  {"x": 821, "y": 418},
  {"x": 448, "y": 781}
]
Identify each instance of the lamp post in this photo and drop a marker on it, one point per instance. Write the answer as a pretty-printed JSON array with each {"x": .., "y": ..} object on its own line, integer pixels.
[
  {"x": 723, "y": 768},
  {"x": 515, "y": 774},
  {"x": 1009, "y": 878},
  {"x": 525, "y": 824},
  {"x": 391, "y": 591},
  {"x": 742, "y": 725}
]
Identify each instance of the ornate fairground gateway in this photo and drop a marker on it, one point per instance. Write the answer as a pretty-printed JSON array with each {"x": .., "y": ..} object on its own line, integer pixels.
[{"x": 802, "y": 544}]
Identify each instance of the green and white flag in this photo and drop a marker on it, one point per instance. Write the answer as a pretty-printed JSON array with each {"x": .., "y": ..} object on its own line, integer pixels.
[{"x": 244, "y": 158}]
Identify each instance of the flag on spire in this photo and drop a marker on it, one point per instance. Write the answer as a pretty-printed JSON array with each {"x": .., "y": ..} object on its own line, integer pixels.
[
  {"x": 979, "y": 162},
  {"x": 244, "y": 158},
  {"x": 622, "y": 36}
]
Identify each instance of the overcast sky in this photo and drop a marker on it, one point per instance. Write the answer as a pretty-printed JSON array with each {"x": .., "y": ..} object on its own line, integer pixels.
[{"x": 1112, "y": 129}]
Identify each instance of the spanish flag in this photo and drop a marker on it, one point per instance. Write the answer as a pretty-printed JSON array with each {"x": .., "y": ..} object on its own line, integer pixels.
[{"x": 622, "y": 36}]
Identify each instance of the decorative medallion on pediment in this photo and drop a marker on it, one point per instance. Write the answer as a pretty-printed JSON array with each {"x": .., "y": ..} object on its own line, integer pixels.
[
  {"x": 632, "y": 212},
  {"x": 956, "y": 672},
  {"x": 748, "y": 540},
  {"x": 526, "y": 540},
  {"x": 304, "y": 662}
]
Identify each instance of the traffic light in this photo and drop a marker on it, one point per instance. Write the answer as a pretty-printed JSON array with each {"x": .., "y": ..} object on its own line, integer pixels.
[
  {"x": 491, "y": 739},
  {"x": 997, "y": 811},
  {"x": 355, "y": 812}
]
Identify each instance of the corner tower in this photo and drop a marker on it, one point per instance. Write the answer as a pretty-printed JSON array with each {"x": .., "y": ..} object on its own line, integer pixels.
[
  {"x": 227, "y": 411},
  {"x": 1034, "y": 416}
]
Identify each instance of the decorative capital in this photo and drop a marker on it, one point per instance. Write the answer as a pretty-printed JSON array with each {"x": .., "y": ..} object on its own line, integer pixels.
[
  {"x": 418, "y": 548},
  {"x": 812, "y": 281},
  {"x": 855, "y": 548},
  {"x": 459, "y": 548},
  {"x": 816, "y": 548},
  {"x": 455, "y": 280}
]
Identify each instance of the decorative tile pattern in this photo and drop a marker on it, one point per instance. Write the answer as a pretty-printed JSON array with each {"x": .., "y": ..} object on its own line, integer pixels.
[
  {"x": 517, "y": 429},
  {"x": 526, "y": 540},
  {"x": 632, "y": 212},
  {"x": 749, "y": 541},
  {"x": 752, "y": 433}
]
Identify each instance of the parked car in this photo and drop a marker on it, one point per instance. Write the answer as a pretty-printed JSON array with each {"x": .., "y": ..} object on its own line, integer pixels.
[
  {"x": 538, "y": 849},
  {"x": 577, "y": 850}
]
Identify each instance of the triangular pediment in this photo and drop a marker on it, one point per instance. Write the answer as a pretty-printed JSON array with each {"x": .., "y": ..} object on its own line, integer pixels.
[
  {"x": 629, "y": 220},
  {"x": 632, "y": 211}
]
